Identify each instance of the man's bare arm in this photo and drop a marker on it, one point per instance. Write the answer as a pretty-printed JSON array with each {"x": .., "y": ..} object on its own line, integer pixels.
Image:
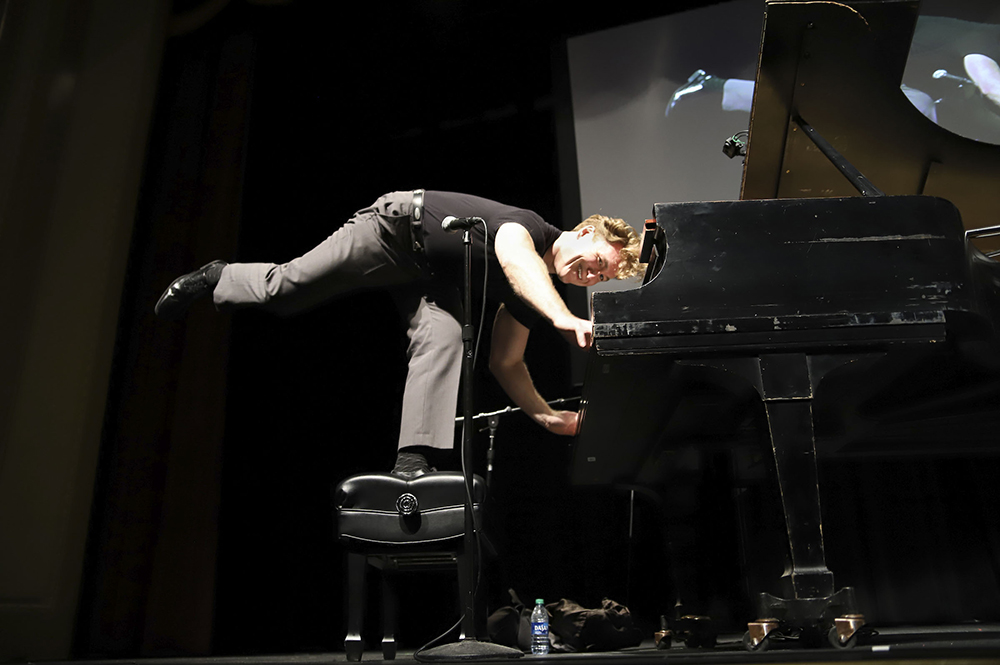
[
  {"x": 529, "y": 277},
  {"x": 507, "y": 364}
]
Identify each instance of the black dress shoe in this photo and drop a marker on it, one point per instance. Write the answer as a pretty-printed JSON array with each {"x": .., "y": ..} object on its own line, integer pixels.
[
  {"x": 699, "y": 81},
  {"x": 186, "y": 289},
  {"x": 411, "y": 465}
]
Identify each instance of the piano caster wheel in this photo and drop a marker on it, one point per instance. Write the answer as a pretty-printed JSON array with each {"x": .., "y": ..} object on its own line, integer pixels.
[
  {"x": 845, "y": 631},
  {"x": 758, "y": 635},
  {"x": 833, "y": 637},
  {"x": 664, "y": 636},
  {"x": 762, "y": 645}
]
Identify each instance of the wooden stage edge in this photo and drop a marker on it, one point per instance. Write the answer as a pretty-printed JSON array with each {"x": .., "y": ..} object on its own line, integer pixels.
[{"x": 972, "y": 644}]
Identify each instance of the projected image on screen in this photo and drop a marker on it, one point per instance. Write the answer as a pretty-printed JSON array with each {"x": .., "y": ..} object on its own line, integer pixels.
[
  {"x": 953, "y": 64},
  {"x": 952, "y": 75}
]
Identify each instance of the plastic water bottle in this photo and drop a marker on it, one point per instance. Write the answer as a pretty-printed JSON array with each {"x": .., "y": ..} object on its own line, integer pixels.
[{"x": 539, "y": 629}]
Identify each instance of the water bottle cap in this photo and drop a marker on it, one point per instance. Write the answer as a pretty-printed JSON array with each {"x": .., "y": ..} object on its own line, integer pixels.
[{"x": 539, "y": 601}]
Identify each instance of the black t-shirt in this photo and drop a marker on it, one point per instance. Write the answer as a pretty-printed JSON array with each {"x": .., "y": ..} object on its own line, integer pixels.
[{"x": 445, "y": 251}]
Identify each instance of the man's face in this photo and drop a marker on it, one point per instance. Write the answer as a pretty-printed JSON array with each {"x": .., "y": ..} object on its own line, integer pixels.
[{"x": 587, "y": 260}]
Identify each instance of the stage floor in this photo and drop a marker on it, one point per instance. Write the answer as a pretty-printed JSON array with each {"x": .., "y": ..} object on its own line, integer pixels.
[{"x": 977, "y": 644}]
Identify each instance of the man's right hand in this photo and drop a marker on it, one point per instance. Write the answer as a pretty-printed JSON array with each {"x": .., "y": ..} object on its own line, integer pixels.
[
  {"x": 530, "y": 279},
  {"x": 576, "y": 331}
]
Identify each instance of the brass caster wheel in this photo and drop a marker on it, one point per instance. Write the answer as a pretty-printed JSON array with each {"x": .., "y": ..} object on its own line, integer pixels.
[
  {"x": 762, "y": 645},
  {"x": 833, "y": 637}
]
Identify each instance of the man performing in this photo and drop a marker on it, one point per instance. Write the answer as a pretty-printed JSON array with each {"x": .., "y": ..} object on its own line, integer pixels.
[{"x": 398, "y": 243}]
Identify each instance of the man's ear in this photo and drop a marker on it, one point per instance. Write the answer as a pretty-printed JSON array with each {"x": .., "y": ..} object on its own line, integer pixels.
[{"x": 586, "y": 231}]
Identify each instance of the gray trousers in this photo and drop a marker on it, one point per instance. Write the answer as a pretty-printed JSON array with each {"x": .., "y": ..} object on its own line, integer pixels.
[{"x": 374, "y": 249}]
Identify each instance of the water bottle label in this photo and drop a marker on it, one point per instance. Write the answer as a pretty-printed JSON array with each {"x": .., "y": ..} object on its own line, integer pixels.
[{"x": 540, "y": 628}]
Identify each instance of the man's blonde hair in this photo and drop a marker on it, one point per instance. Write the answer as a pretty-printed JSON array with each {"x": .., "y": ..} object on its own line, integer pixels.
[{"x": 621, "y": 235}]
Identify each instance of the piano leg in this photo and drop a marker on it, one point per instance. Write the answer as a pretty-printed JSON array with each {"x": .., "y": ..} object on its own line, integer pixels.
[
  {"x": 809, "y": 607},
  {"x": 790, "y": 423}
]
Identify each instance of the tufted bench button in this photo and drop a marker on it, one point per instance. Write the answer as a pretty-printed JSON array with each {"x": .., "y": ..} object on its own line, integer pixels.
[{"x": 407, "y": 504}]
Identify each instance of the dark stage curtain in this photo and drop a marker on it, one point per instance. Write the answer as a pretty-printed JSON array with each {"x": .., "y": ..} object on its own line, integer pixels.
[{"x": 149, "y": 583}]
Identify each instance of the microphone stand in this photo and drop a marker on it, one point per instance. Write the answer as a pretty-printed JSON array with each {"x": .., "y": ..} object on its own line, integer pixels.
[{"x": 468, "y": 647}]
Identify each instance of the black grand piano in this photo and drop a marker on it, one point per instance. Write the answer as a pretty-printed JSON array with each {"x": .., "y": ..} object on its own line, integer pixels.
[{"x": 845, "y": 291}]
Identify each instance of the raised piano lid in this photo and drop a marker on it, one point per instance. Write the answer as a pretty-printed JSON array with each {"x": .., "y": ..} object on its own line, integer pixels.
[{"x": 839, "y": 66}]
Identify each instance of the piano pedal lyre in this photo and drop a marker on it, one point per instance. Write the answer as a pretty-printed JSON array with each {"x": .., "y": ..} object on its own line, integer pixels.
[{"x": 695, "y": 630}]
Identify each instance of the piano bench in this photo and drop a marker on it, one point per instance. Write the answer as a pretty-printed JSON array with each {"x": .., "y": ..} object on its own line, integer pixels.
[{"x": 398, "y": 526}]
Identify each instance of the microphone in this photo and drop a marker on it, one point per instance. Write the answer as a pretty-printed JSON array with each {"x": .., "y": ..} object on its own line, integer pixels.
[
  {"x": 451, "y": 224},
  {"x": 943, "y": 74}
]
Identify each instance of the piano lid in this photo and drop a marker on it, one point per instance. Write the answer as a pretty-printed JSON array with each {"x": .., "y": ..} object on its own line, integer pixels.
[{"x": 838, "y": 66}]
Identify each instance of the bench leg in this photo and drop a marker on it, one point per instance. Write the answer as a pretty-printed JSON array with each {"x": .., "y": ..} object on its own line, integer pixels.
[
  {"x": 356, "y": 566},
  {"x": 390, "y": 612}
]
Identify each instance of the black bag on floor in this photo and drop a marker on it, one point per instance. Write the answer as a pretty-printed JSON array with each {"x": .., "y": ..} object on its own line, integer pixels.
[{"x": 572, "y": 627}]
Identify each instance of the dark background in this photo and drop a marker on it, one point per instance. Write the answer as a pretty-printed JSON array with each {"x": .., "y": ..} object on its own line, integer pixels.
[{"x": 225, "y": 434}]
